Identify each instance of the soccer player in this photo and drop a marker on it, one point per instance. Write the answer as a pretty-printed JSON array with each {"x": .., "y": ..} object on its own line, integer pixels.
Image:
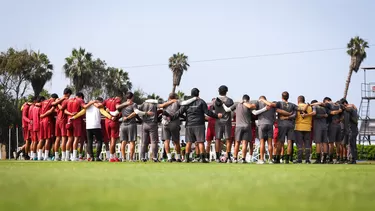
[
  {"x": 223, "y": 126},
  {"x": 128, "y": 127},
  {"x": 31, "y": 132},
  {"x": 303, "y": 130},
  {"x": 195, "y": 123},
  {"x": 243, "y": 132},
  {"x": 210, "y": 133},
  {"x": 171, "y": 129},
  {"x": 46, "y": 125},
  {"x": 286, "y": 116},
  {"x": 74, "y": 127},
  {"x": 334, "y": 129},
  {"x": 25, "y": 129},
  {"x": 113, "y": 126},
  {"x": 351, "y": 128},
  {"x": 36, "y": 128},
  {"x": 61, "y": 121},
  {"x": 320, "y": 132},
  {"x": 148, "y": 112},
  {"x": 93, "y": 112},
  {"x": 265, "y": 130},
  {"x": 105, "y": 140}
]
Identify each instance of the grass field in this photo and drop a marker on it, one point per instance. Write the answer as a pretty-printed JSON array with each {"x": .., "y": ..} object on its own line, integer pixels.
[{"x": 164, "y": 186}]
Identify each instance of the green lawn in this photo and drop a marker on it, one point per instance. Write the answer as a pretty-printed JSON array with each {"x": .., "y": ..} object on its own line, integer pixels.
[{"x": 137, "y": 186}]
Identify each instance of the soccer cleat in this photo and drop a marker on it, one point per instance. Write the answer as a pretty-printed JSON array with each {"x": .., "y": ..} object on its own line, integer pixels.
[
  {"x": 112, "y": 160},
  {"x": 35, "y": 158},
  {"x": 203, "y": 161},
  {"x": 260, "y": 162},
  {"x": 297, "y": 162},
  {"x": 169, "y": 160},
  {"x": 123, "y": 160},
  {"x": 217, "y": 160},
  {"x": 89, "y": 159},
  {"x": 308, "y": 162},
  {"x": 116, "y": 159},
  {"x": 155, "y": 160},
  {"x": 57, "y": 159},
  {"x": 229, "y": 160},
  {"x": 243, "y": 161},
  {"x": 98, "y": 160},
  {"x": 270, "y": 162},
  {"x": 235, "y": 161},
  {"x": 178, "y": 160},
  {"x": 144, "y": 160}
]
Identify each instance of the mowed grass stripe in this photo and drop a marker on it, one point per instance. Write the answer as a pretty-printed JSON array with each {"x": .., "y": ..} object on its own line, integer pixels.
[{"x": 179, "y": 186}]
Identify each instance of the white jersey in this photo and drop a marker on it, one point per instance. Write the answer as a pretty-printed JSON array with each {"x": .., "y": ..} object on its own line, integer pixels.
[{"x": 93, "y": 118}]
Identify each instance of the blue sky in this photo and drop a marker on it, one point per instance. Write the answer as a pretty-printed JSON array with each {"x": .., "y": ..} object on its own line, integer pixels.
[{"x": 131, "y": 33}]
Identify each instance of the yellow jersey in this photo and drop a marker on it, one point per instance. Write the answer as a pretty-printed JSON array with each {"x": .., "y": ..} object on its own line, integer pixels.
[{"x": 303, "y": 124}]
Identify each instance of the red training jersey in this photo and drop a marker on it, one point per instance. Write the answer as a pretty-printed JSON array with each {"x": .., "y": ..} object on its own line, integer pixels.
[
  {"x": 30, "y": 116},
  {"x": 211, "y": 121},
  {"x": 25, "y": 115},
  {"x": 61, "y": 117},
  {"x": 46, "y": 106},
  {"x": 74, "y": 105},
  {"x": 36, "y": 118},
  {"x": 111, "y": 103}
]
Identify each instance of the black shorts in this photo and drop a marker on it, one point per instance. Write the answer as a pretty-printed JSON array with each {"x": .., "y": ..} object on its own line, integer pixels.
[
  {"x": 286, "y": 131},
  {"x": 320, "y": 136},
  {"x": 195, "y": 134},
  {"x": 265, "y": 131},
  {"x": 243, "y": 134},
  {"x": 334, "y": 133},
  {"x": 223, "y": 130}
]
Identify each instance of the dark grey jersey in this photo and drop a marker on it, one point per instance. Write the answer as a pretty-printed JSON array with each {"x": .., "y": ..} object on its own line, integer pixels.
[
  {"x": 127, "y": 111},
  {"x": 267, "y": 117},
  {"x": 227, "y": 117},
  {"x": 320, "y": 120},
  {"x": 243, "y": 116},
  {"x": 288, "y": 107},
  {"x": 172, "y": 109},
  {"x": 146, "y": 107}
]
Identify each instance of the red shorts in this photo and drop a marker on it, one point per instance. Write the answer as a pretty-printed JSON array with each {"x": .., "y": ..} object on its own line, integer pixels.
[
  {"x": 210, "y": 134},
  {"x": 60, "y": 130},
  {"x": 112, "y": 128},
  {"x": 275, "y": 134},
  {"x": 45, "y": 130},
  {"x": 26, "y": 133},
  {"x": 34, "y": 136},
  {"x": 253, "y": 130},
  {"x": 76, "y": 129}
]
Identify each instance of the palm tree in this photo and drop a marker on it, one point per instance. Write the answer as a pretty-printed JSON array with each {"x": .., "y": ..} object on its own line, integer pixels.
[
  {"x": 41, "y": 71},
  {"x": 178, "y": 63},
  {"x": 153, "y": 96},
  {"x": 357, "y": 52},
  {"x": 181, "y": 95},
  {"x": 117, "y": 82},
  {"x": 78, "y": 68}
]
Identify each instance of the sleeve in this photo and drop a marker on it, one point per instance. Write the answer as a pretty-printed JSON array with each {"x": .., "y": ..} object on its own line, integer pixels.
[
  {"x": 105, "y": 113},
  {"x": 257, "y": 105},
  {"x": 278, "y": 105},
  {"x": 82, "y": 103},
  {"x": 179, "y": 113},
  {"x": 64, "y": 104},
  {"x": 79, "y": 114},
  {"x": 314, "y": 109},
  {"x": 208, "y": 112},
  {"x": 257, "y": 112},
  {"x": 24, "y": 116},
  {"x": 117, "y": 102}
]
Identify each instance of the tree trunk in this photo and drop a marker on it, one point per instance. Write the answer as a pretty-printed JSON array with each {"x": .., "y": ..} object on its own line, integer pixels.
[
  {"x": 174, "y": 89},
  {"x": 348, "y": 82}
]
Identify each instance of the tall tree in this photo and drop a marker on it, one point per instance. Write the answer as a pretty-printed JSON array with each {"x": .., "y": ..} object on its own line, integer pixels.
[
  {"x": 178, "y": 63},
  {"x": 139, "y": 96},
  {"x": 41, "y": 71},
  {"x": 357, "y": 52},
  {"x": 116, "y": 82},
  {"x": 78, "y": 67},
  {"x": 15, "y": 67}
]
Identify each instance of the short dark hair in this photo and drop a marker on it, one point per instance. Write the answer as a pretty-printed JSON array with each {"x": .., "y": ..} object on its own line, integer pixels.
[
  {"x": 195, "y": 92},
  {"x": 285, "y": 95},
  {"x": 301, "y": 98},
  {"x": 172, "y": 96},
  {"x": 80, "y": 95},
  {"x": 67, "y": 91},
  {"x": 327, "y": 98},
  {"x": 246, "y": 97},
  {"x": 263, "y": 97},
  {"x": 129, "y": 95},
  {"x": 100, "y": 99},
  {"x": 41, "y": 99},
  {"x": 223, "y": 90},
  {"x": 54, "y": 96},
  {"x": 313, "y": 101}
]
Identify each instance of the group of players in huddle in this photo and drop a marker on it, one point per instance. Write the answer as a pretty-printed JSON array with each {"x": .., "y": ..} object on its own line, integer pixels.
[{"x": 68, "y": 122}]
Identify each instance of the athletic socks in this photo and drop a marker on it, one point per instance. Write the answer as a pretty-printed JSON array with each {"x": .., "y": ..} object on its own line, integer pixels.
[
  {"x": 74, "y": 154},
  {"x": 178, "y": 156},
  {"x": 40, "y": 154},
  {"x": 169, "y": 155},
  {"x": 325, "y": 157},
  {"x": 330, "y": 157},
  {"x": 63, "y": 153},
  {"x": 217, "y": 155},
  {"x": 67, "y": 156},
  {"x": 46, "y": 154},
  {"x": 108, "y": 154},
  {"x": 56, "y": 155}
]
